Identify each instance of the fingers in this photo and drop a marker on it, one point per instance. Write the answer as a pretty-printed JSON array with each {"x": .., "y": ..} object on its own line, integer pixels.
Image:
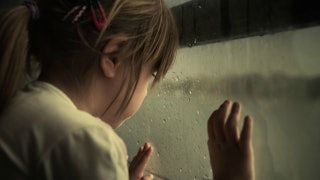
[
  {"x": 140, "y": 161},
  {"x": 219, "y": 120},
  {"x": 141, "y": 152},
  {"x": 145, "y": 156},
  {"x": 246, "y": 133},
  {"x": 210, "y": 149},
  {"x": 227, "y": 149},
  {"x": 223, "y": 124},
  {"x": 210, "y": 127},
  {"x": 232, "y": 133}
]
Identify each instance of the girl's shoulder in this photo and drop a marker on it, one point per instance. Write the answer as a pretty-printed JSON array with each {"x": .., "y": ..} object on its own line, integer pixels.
[
  {"x": 42, "y": 119},
  {"x": 42, "y": 106}
]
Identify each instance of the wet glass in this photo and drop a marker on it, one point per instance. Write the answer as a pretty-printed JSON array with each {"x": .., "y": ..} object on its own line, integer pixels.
[{"x": 277, "y": 80}]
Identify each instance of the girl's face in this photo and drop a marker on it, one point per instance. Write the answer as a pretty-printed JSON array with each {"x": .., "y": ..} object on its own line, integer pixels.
[
  {"x": 140, "y": 92},
  {"x": 136, "y": 101}
]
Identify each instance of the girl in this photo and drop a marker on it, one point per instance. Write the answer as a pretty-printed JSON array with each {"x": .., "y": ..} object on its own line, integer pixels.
[{"x": 97, "y": 58}]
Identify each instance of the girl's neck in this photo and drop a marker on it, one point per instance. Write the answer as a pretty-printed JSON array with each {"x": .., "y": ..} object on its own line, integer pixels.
[{"x": 81, "y": 96}]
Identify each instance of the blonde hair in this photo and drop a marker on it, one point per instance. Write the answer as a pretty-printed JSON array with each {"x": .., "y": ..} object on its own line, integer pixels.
[
  {"x": 61, "y": 46},
  {"x": 13, "y": 51}
]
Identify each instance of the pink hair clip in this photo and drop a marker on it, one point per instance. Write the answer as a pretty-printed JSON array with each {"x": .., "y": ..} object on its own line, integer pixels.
[
  {"x": 76, "y": 18},
  {"x": 70, "y": 12},
  {"x": 100, "y": 21}
]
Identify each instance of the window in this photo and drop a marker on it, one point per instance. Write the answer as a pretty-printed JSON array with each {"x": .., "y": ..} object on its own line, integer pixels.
[{"x": 277, "y": 80}]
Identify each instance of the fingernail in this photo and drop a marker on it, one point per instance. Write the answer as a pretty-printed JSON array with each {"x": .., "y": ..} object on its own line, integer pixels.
[
  {"x": 147, "y": 145},
  {"x": 236, "y": 105},
  {"x": 226, "y": 102},
  {"x": 248, "y": 117},
  {"x": 150, "y": 149}
]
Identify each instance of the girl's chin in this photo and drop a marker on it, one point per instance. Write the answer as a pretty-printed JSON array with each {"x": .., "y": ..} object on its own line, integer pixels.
[
  {"x": 122, "y": 121},
  {"x": 117, "y": 123}
]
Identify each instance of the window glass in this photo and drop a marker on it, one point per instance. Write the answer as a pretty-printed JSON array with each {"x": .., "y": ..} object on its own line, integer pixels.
[{"x": 277, "y": 80}]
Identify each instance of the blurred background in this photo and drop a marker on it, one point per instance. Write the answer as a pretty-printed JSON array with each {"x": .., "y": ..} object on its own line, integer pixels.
[{"x": 267, "y": 59}]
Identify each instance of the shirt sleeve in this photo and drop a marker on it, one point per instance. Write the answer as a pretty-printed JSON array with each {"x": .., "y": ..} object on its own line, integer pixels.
[{"x": 91, "y": 153}]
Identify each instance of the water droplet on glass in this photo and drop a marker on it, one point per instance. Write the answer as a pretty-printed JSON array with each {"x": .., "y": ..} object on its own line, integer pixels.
[
  {"x": 195, "y": 41},
  {"x": 190, "y": 92},
  {"x": 164, "y": 121},
  {"x": 180, "y": 169},
  {"x": 198, "y": 112},
  {"x": 205, "y": 176},
  {"x": 189, "y": 45},
  {"x": 158, "y": 154}
]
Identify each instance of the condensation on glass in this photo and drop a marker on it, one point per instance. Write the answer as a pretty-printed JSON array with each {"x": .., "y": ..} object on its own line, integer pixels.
[{"x": 277, "y": 80}]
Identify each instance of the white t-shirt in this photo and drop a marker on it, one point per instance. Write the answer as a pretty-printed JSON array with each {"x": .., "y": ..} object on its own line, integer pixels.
[{"x": 44, "y": 136}]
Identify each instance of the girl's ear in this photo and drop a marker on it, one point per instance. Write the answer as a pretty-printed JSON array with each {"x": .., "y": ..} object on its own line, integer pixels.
[{"x": 109, "y": 62}]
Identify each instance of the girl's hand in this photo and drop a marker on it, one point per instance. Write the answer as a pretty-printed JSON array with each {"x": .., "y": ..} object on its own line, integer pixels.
[
  {"x": 139, "y": 163},
  {"x": 231, "y": 153}
]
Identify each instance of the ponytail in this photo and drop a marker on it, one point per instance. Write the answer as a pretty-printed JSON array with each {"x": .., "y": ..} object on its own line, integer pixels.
[{"x": 13, "y": 51}]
